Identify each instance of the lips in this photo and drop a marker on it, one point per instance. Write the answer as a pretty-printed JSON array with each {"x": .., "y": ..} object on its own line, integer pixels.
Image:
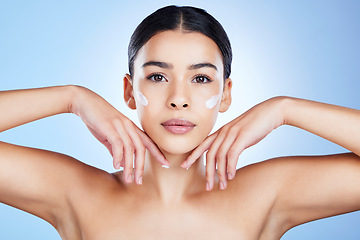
[{"x": 178, "y": 126}]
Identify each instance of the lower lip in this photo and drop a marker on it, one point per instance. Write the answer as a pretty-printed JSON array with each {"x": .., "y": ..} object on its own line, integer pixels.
[{"x": 178, "y": 129}]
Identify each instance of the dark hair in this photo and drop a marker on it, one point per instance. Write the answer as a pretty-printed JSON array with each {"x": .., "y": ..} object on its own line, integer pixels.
[{"x": 184, "y": 18}]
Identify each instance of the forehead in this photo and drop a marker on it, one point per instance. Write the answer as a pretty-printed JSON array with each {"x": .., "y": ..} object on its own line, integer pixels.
[{"x": 180, "y": 49}]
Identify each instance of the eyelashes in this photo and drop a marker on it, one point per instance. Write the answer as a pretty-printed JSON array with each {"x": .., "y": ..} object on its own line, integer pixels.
[
  {"x": 200, "y": 78},
  {"x": 156, "y": 77}
]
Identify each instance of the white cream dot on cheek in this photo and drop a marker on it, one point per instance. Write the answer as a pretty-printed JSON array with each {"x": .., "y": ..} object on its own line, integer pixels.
[
  {"x": 211, "y": 102},
  {"x": 141, "y": 98}
]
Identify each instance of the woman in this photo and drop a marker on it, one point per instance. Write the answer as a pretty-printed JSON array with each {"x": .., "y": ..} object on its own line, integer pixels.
[{"x": 179, "y": 68}]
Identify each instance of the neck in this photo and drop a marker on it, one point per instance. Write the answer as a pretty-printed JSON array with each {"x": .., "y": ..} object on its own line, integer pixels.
[{"x": 175, "y": 183}]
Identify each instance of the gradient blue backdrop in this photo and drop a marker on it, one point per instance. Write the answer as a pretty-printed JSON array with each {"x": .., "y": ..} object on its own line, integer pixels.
[{"x": 307, "y": 49}]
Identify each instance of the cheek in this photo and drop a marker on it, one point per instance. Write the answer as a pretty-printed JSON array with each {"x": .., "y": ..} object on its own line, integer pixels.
[
  {"x": 213, "y": 101},
  {"x": 140, "y": 98}
]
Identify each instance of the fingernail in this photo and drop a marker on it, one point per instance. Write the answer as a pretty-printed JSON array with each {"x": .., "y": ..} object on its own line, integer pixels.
[
  {"x": 183, "y": 164},
  {"x": 230, "y": 176},
  {"x": 165, "y": 166},
  {"x": 117, "y": 166},
  {"x": 129, "y": 178},
  {"x": 207, "y": 186},
  {"x": 222, "y": 185},
  {"x": 140, "y": 180}
]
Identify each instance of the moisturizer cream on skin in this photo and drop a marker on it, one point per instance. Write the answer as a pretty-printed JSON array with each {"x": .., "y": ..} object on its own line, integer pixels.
[
  {"x": 213, "y": 101},
  {"x": 141, "y": 98}
]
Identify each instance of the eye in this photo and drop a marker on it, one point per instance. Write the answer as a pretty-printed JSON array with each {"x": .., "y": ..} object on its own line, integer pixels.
[
  {"x": 156, "y": 77},
  {"x": 202, "y": 79}
]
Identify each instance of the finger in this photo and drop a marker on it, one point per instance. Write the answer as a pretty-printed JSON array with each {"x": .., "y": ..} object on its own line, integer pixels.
[
  {"x": 210, "y": 172},
  {"x": 139, "y": 154},
  {"x": 128, "y": 151},
  {"x": 233, "y": 155},
  {"x": 223, "y": 152},
  {"x": 117, "y": 150},
  {"x": 221, "y": 172},
  {"x": 212, "y": 156},
  {"x": 199, "y": 150},
  {"x": 152, "y": 147}
]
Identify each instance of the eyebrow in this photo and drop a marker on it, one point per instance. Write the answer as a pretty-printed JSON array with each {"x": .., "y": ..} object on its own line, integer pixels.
[
  {"x": 170, "y": 66},
  {"x": 202, "y": 65},
  {"x": 158, "y": 64}
]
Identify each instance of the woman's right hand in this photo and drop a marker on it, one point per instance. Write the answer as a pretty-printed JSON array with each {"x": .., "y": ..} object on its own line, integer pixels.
[{"x": 119, "y": 134}]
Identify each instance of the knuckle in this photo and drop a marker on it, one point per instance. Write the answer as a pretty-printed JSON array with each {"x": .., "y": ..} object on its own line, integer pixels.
[
  {"x": 209, "y": 174},
  {"x": 129, "y": 148},
  {"x": 220, "y": 156},
  {"x": 118, "y": 141},
  {"x": 225, "y": 128},
  {"x": 231, "y": 169},
  {"x": 232, "y": 154},
  {"x": 210, "y": 155},
  {"x": 116, "y": 120},
  {"x": 141, "y": 149},
  {"x": 234, "y": 129},
  {"x": 221, "y": 174}
]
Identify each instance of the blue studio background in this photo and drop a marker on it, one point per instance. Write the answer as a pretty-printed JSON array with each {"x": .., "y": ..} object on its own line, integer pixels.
[{"x": 307, "y": 49}]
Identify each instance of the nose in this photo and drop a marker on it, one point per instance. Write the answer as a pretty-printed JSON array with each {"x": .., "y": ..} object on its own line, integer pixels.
[
  {"x": 173, "y": 105},
  {"x": 179, "y": 98}
]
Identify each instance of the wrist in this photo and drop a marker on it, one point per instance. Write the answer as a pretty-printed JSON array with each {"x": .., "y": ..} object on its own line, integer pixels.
[
  {"x": 73, "y": 93},
  {"x": 284, "y": 104}
]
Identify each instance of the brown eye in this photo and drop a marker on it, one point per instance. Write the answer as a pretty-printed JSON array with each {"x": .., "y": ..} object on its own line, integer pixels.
[
  {"x": 156, "y": 78},
  {"x": 201, "y": 79}
]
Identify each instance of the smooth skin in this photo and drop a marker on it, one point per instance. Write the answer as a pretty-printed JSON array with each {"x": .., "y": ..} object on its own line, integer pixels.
[{"x": 261, "y": 201}]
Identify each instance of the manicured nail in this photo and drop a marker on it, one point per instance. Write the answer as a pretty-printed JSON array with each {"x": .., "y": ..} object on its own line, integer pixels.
[
  {"x": 207, "y": 186},
  {"x": 222, "y": 185},
  {"x": 117, "y": 166},
  {"x": 184, "y": 164},
  {"x": 140, "y": 180},
  {"x": 165, "y": 166},
  {"x": 230, "y": 176},
  {"x": 129, "y": 178}
]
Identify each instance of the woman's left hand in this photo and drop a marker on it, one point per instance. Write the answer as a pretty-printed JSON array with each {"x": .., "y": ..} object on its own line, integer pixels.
[{"x": 225, "y": 145}]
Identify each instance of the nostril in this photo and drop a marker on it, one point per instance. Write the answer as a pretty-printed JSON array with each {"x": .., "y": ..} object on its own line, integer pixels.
[
  {"x": 185, "y": 105},
  {"x": 173, "y": 105}
]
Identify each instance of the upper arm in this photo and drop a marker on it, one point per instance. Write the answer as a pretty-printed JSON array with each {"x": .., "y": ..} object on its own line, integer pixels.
[
  {"x": 37, "y": 181},
  {"x": 317, "y": 187}
]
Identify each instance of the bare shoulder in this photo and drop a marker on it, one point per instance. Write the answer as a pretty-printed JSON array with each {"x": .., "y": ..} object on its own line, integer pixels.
[
  {"x": 253, "y": 193},
  {"x": 87, "y": 189},
  {"x": 289, "y": 191},
  {"x": 50, "y": 185}
]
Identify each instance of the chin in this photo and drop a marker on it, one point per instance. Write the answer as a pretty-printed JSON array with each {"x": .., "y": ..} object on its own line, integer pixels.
[{"x": 177, "y": 148}]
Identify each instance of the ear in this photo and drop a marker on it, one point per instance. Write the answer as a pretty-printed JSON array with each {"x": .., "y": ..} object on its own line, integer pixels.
[
  {"x": 128, "y": 92},
  {"x": 226, "y": 96}
]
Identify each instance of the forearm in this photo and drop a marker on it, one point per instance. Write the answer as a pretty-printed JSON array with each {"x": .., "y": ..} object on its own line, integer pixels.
[
  {"x": 18, "y": 107},
  {"x": 337, "y": 124}
]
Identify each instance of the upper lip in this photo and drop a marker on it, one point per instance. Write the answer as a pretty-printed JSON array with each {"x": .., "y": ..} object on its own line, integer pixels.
[{"x": 178, "y": 122}]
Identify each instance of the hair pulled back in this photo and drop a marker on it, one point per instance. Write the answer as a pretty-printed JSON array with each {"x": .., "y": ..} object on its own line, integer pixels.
[{"x": 184, "y": 18}]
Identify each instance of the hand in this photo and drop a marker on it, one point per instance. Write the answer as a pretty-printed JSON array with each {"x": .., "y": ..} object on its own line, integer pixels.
[
  {"x": 119, "y": 134},
  {"x": 225, "y": 145}
]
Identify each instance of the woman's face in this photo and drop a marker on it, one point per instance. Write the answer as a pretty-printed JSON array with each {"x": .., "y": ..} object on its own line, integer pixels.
[{"x": 177, "y": 89}]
